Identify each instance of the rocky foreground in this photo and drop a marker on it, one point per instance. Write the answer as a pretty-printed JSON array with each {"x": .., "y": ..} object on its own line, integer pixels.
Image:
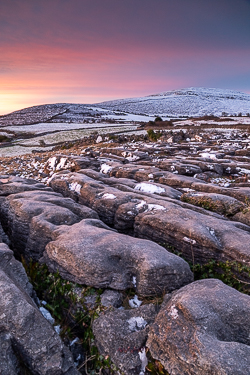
[{"x": 121, "y": 216}]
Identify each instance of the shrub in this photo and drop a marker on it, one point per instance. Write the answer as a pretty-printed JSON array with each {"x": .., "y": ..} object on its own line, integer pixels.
[
  {"x": 3, "y": 138},
  {"x": 153, "y": 136},
  {"x": 158, "y": 118}
]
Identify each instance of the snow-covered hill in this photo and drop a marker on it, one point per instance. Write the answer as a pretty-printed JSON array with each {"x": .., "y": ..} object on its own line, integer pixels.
[
  {"x": 185, "y": 102},
  {"x": 192, "y": 102}
]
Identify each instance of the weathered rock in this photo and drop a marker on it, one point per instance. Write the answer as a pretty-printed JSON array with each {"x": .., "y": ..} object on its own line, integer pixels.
[
  {"x": 200, "y": 238},
  {"x": 111, "y": 298},
  {"x": 26, "y": 338},
  {"x": 177, "y": 167},
  {"x": 122, "y": 335},
  {"x": 222, "y": 204},
  {"x": 30, "y": 219},
  {"x": 12, "y": 185},
  {"x": 73, "y": 163},
  {"x": 90, "y": 253},
  {"x": 203, "y": 330},
  {"x": 199, "y": 234},
  {"x": 243, "y": 216}
]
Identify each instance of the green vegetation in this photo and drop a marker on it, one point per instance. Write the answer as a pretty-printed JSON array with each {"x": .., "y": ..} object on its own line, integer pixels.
[
  {"x": 66, "y": 302},
  {"x": 3, "y": 138},
  {"x": 70, "y": 311},
  {"x": 158, "y": 118},
  {"x": 152, "y": 135},
  {"x": 231, "y": 273}
]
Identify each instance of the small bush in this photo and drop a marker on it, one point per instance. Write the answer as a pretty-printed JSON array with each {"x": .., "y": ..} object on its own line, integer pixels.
[
  {"x": 153, "y": 136},
  {"x": 3, "y": 138},
  {"x": 158, "y": 118}
]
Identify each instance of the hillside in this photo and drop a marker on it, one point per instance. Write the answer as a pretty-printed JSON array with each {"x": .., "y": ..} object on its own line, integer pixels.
[
  {"x": 185, "y": 102},
  {"x": 191, "y": 102}
]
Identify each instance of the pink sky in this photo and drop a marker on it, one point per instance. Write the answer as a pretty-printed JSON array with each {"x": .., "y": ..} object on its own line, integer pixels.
[{"x": 86, "y": 52}]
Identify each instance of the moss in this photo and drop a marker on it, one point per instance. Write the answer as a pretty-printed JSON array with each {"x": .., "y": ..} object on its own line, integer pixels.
[{"x": 69, "y": 309}]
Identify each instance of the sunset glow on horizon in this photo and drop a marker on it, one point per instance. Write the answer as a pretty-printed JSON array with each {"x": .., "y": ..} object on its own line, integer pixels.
[{"x": 88, "y": 52}]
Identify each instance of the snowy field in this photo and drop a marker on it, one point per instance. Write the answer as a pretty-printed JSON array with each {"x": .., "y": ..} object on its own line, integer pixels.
[
  {"x": 60, "y": 126},
  {"x": 26, "y": 146}
]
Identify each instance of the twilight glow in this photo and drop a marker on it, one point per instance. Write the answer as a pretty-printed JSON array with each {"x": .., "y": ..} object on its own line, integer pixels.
[{"x": 84, "y": 51}]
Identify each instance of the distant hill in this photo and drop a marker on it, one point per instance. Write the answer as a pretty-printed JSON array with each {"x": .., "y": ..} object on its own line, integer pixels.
[
  {"x": 186, "y": 102},
  {"x": 191, "y": 102}
]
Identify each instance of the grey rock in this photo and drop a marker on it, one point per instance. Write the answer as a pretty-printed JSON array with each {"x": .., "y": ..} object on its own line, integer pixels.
[
  {"x": 12, "y": 185},
  {"x": 200, "y": 238},
  {"x": 198, "y": 234},
  {"x": 122, "y": 334},
  {"x": 222, "y": 204},
  {"x": 203, "y": 330},
  {"x": 26, "y": 338},
  {"x": 111, "y": 298},
  {"x": 90, "y": 253},
  {"x": 30, "y": 219}
]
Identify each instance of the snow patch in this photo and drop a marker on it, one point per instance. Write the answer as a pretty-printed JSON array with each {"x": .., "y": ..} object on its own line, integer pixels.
[
  {"x": 136, "y": 324},
  {"x": 52, "y": 163},
  {"x": 208, "y": 155},
  {"x": 152, "y": 207},
  {"x": 75, "y": 187},
  {"x": 108, "y": 196},
  {"x": 47, "y": 315},
  {"x": 62, "y": 164},
  {"x": 187, "y": 239},
  {"x": 149, "y": 188},
  {"x": 144, "y": 361},
  {"x": 140, "y": 205},
  {"x": 74, "y": 341},
  {"x": 173, "y": 312},
  {"x": 134, "y": 281},
  {"x": 105, "y": 168},
  {"x": 134, "y": 302}
]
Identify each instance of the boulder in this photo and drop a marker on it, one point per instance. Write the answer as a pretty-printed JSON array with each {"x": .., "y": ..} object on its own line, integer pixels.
[
  {"x": 203, "y": 329},
  {"x": 198, "y": 234},
  {"x": 122, "y": 335},
  {"x": 27, "y": 339},
  {"x": 222, "y": 204},
  {"x": 30, "y": 219},
  {"x": 12, "y": 185},
  {"x": 198, "y": 237},
  {"x": 90, "y": 253}
]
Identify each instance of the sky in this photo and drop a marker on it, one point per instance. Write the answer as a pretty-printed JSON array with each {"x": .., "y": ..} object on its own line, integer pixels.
[{"x": 87, "y": 51}]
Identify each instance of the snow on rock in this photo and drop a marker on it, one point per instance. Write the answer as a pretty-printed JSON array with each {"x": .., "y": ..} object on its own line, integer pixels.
[
  {"x": 136, "y": 323},
  {"x": 224, "y": 182},
  {"x": 108, "y": 196},
  {"x": 74, "y": 186},
  {"x": 152, "y": 207},
  {"x": 99, "y": 139},
  {"x": 141, "y": 205},
  {"x": 149, "y": 188},
  {"x": 187, "y": 239},
  {"x": 174, "y": 312},
  {"x": 144, "y": 360},
  {"x": 61, "y": 164},
  {"x": 134, "y": 302},
  {"x": 47, "y": 315},
  {"x": 130, "y": 156},
  {"x": 134, "y": 281},
  {"x": 105, "y": 168},
  {"x": 208, "y": 155},
  {"x": 57, "y": 329},
  {"x": 52, "y": 163}
]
